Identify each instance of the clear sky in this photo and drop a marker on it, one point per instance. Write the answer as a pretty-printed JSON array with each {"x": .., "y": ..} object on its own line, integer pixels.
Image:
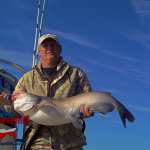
[{"x": 109, "y": 40}]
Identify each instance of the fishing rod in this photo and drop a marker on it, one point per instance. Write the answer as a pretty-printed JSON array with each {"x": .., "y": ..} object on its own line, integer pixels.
[
  {"x": 12, "y": 64},
  {"x": 36, "y": 51},
  {"x": 40, "y": 32}
]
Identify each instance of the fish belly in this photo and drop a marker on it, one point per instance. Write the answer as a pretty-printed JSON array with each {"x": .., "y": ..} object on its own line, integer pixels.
[{"x": 48, "y": 115}]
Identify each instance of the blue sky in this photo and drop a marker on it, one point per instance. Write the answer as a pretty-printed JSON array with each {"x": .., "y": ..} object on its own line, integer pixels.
[{"x": 109, "y": 40}]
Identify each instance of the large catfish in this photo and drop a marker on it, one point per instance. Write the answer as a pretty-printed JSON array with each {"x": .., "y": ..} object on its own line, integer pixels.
[{"x": 48, "y": 111}]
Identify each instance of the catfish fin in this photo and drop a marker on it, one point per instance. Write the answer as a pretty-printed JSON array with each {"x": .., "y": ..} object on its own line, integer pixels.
[
  {"x": 77, "y": 122},
  {"x": 104, "y": 109},
  {"x": 125, "y": 114},
  {"x": 46, "y": 102}
]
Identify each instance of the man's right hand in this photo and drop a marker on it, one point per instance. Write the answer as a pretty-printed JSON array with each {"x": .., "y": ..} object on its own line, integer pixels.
[{"x": 3, "y": 99}]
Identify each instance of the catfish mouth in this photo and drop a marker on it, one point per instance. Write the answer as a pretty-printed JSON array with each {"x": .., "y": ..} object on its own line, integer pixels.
[{"x": 25, "y": 108}]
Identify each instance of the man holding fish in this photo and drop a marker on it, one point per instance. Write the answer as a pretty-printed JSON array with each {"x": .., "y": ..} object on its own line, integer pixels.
[{"x": 56, "y": 79}]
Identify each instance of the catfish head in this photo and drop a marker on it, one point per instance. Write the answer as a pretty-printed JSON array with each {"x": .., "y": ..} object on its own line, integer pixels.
[{"x": 25, "y": 101}]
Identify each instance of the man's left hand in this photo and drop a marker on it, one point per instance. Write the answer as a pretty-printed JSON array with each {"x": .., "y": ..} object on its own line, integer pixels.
[
  {"x": 86, "y": 112},
  {"x": 3, "y": 99}
]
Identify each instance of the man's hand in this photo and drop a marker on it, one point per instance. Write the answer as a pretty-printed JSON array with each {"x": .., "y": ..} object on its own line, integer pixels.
[
  {"x": 86, "y": 112},
  {"x": 3, "y": 99}
]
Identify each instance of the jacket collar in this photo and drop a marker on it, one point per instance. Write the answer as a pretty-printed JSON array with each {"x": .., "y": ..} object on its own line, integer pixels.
[
  {"x": 58, "y": 66},
  {"x": 62, "y": 67}
]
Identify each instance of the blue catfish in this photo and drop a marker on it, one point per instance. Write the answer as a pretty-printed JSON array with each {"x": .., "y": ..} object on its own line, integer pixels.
[{"x": 52, "y": 112}]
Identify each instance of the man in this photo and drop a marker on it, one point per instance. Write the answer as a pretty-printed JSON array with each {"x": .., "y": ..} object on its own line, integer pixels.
[{"x": 54, "y": 78}]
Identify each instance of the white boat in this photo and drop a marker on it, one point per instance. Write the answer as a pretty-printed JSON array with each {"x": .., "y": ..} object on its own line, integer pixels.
[
  {"x": 8, "y": 140},
  {"x": 7, "y": 85}
]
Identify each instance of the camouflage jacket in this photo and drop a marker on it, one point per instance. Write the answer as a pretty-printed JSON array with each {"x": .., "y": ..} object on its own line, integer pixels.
[{"x": 68, "y": 81}]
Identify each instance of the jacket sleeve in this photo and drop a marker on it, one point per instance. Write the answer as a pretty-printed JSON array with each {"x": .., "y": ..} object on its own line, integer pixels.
[
  {"x": 19, "y": 88},
  {"x": 83, "y": 84}
]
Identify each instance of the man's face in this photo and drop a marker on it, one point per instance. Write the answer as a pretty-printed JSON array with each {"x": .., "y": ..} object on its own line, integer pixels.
[{"x": 50, "y": 50}]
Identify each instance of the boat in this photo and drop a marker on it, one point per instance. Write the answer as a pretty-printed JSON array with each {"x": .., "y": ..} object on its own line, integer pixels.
[{"x": 7, "y": 85}]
